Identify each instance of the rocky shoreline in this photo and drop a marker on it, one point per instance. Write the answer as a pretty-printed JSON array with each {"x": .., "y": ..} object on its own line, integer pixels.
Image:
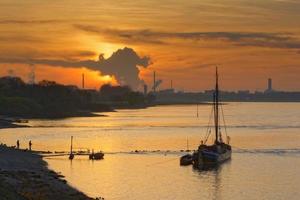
[{"x": 24, "y": 175}]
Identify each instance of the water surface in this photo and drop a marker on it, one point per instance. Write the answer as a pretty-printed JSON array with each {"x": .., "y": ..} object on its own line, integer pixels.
[{"x": 265, "y": 163}]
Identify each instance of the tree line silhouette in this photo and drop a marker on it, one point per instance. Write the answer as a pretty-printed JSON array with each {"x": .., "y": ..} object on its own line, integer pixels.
[{"x": 48, "y": 99}]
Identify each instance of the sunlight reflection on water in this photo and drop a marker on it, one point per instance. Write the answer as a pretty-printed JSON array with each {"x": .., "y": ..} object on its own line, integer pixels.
[{"x": 265, "y": 137}]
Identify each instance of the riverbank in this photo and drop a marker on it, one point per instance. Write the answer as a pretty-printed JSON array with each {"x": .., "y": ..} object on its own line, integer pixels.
[
  {"x": 10, "y": 124},
  {"x": 24, "y": 175}
]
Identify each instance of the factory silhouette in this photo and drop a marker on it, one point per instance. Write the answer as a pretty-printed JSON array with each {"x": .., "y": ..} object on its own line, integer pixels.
[{"x": 172, "y": 96}]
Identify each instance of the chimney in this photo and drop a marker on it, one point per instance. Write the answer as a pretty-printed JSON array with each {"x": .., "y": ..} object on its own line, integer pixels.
[{"x": 82, "y": 81}]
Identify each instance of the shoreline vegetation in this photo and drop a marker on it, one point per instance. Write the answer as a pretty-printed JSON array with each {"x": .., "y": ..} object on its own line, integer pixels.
[
  {"x": 50, "y": 100},
  {"x": 24, "y": 175}
]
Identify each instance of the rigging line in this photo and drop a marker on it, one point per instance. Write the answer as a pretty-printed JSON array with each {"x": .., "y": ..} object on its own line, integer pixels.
[
  {"x": 208, "y": 130},
  {"x": 219, "y": 129},
  {"x": 225, "y": 127}
]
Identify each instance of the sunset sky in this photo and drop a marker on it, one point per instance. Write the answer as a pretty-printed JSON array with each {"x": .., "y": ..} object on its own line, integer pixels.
[{"x": 250, "y": 41}]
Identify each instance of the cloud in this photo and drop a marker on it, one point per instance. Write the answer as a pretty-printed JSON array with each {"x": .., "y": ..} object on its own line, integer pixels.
[
  {"x": 123, "y": 65},
  {"x": 31, "y": 21},
  {"x": 256, "y": 39},
  {"x": 21, "y": 38}
]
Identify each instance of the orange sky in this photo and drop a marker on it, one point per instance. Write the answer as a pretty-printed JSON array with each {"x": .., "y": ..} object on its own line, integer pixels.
[{"x": 250, "y": 40}]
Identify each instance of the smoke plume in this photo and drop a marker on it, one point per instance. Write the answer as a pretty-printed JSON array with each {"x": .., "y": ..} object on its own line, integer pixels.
[{"x": 123, "y": 65}]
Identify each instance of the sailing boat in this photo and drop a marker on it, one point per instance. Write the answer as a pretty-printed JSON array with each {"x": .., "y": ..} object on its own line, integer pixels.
[
  {"x": 212, "y": 155},
  {"x": 71, "y": 156}
]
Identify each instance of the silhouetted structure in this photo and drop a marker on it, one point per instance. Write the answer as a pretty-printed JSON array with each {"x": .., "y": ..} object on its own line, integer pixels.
[
  {"x": 154, "y": 82},
  {"x": 269, "y": 88},
  {"x": 270, "y": 84},
  {"x": 71, "y": 156},
  {"x": 145, "y": 89},
  {"x": 30, "y": 144},
  {"x": 83, "y": 81}
]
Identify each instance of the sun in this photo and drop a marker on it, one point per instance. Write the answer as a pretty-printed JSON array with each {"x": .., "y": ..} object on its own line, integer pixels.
[
  {"x": 108, "y": 79},
  {"x": 92, "y": 43}
]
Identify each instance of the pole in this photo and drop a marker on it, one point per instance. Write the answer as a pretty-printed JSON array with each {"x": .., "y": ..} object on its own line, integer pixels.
[
  {"x": 216, "y": 107},
  {"x": 82, "y": 81},
  {"x": 71, "y": 145},
  {"x": 187, "y": 143},
  {"x": 154, "y": 82}
]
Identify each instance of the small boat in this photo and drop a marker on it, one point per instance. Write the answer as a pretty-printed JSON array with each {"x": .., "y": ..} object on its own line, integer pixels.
[
  {"x": 96, "y": 156},
  {"x": 207, "y": 156},
  {"x": 71, "y": 156},
  {"x": 186, "y": 160}
]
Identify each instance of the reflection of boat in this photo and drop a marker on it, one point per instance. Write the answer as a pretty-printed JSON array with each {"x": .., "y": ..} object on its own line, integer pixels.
[
  {"x": 212, "y": 155},
  {"x": 186, "y": 159}
]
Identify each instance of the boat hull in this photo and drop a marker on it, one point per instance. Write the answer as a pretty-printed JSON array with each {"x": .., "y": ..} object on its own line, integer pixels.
[
  {"x": 96, "y": 156},
  {"x": 186, "y": 160},
  {"x": 203, "y": 159}
]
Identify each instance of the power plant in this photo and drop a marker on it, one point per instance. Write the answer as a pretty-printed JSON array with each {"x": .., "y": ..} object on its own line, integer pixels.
[{"x": 156, "y": 83}]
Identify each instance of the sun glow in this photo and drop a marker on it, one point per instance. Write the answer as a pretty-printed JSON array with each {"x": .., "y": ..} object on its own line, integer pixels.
[
  {"x": 92, "y": 43},
  {"x": 108, "y": 79},
  {"x": 94, "y": 79}
]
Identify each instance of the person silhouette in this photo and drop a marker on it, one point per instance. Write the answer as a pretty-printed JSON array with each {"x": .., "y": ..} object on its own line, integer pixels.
[
  {"x": 30, "y": 144},
  {"x": 18, "y": 144}
]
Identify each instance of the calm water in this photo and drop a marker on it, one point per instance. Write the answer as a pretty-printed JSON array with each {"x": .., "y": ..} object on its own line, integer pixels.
[{"x": 265, "y": 163}]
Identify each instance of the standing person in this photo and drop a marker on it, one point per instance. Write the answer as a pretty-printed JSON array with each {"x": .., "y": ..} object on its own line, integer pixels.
[
  {"x": 30, "y": 144},
  {"x": 18, "y": 144}
]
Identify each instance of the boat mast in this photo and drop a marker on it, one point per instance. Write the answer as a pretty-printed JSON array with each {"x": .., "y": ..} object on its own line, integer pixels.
[
  {"x": 216, "y": 107},
  {"x": 71, "y": 145},
  {"x": 187, "y": 143}
]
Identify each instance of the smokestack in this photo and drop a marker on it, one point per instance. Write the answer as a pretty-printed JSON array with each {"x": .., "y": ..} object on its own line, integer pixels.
[
  {"x": 82, "y": 81},
  {"x": 154, "y": 82},
  {"x": 270, "y": 84},
  {"x": 145, "y": 90}
]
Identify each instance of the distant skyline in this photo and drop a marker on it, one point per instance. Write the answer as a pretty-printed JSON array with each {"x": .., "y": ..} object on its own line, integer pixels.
[{"x": 250, "y": 41}]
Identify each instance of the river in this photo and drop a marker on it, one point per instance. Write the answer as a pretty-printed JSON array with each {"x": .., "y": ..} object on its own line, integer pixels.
[{"x": 264, "y": 165}]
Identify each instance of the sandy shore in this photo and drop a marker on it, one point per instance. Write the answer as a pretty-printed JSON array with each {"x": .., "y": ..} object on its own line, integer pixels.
[{"x": 24, "y": 175}]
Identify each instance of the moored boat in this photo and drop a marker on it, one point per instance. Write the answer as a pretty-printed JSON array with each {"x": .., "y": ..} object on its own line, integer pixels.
[
  {"x": 207, "y": 156},
  {"x": 71, "y": 156},
  {"x": 186, "y": 160},
  {"x": 96, "y": 156}
]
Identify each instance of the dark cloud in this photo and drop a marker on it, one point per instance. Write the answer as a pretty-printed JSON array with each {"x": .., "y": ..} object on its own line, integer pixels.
[
  {"x": 273, "y": 44},
  {"x": 132, "y": 36},
  {"x": 20, "y": 38},
  {"x": 123, "y": 64},
  {"x": 84, "y": 53},
  {"x": 31, "y": 21},
  {"x": 258, "y": 39}
]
